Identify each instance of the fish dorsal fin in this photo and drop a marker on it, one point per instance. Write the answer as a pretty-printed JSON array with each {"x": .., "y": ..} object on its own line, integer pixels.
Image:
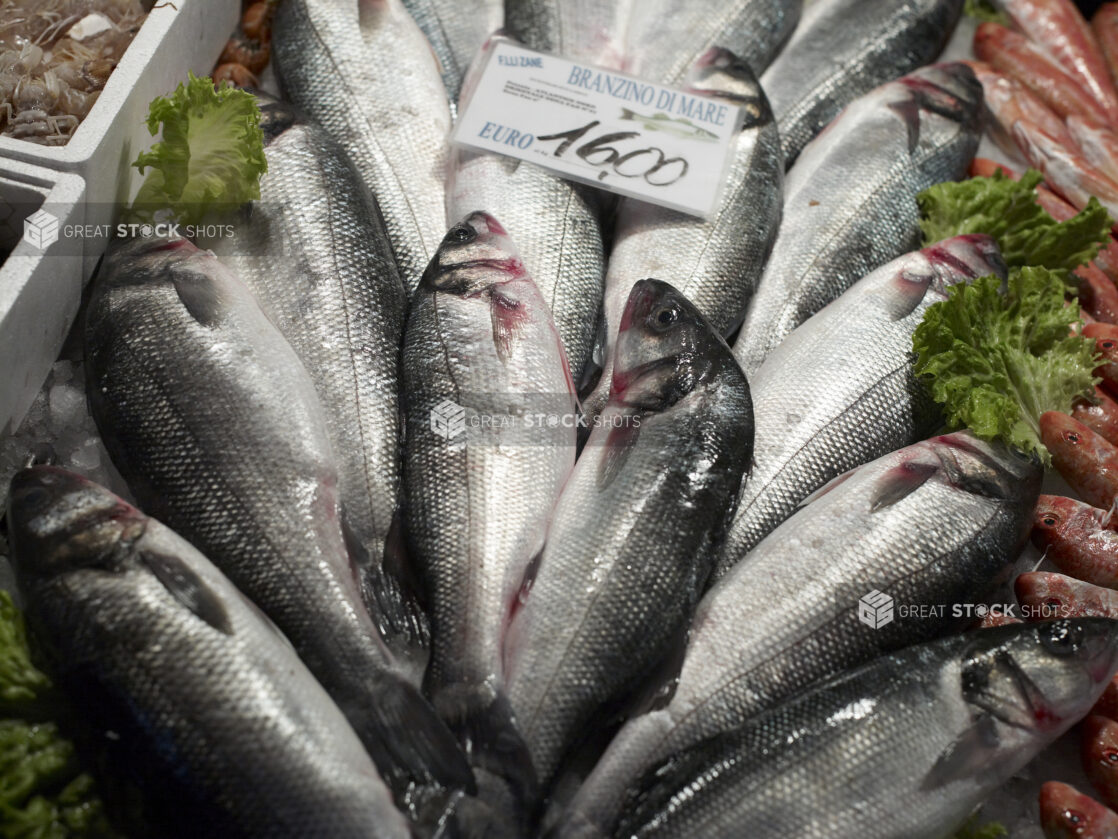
[{"x": 184, "y": 584}]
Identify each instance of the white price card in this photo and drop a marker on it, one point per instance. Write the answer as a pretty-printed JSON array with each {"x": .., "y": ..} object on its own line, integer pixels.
[{"x": 615, "y": 132}]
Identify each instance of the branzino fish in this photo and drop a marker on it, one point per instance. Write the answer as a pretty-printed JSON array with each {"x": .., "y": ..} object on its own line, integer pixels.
[
  {"x": 213, "y": 713},
  {"x": 582, "y": 30},
  {"x": 841, "y": 50},
  {"x": 215, "y": 424},
  {"x": 631, "y": 541},
  {"x": 850, "y": 200},
  {"x": 663, "y": 38},
  {"x": 480, "y": 337},
  {"x": 316, "y": 257},
  {"x": 363, "y": 70},
  {"x": 716, "y": 262},
  {"x": 456, "y": 31},
  {"x": 840, "y": 390},
  {"x": 931, "y": 524},
  {"x": 938, "y": 727}
]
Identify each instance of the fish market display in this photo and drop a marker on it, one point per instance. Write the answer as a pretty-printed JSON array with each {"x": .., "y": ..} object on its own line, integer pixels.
[
  {"x": 715, "y": 263},
  {"x": 215, "y": 425},
  {"x": 849, "y": 202},
  {"x": 456, "y": 31},
  {"x": 937, "y": 727},
  {"x": 841, "y": 50},
  {"x": 481, "y": 338},
  {"x": 840, "y": 390},
  {"x": 349, "y": 66},
  {"x": 929, "y": 524},
  {"x": 55, "y": 58},
  {"x": 315, "y": 256},
  {"x": 212, "y": 711},
  {"x": 631, "y": 541}
]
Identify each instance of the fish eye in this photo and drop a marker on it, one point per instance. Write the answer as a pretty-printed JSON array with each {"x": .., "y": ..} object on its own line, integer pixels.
[
  {"x": 1111, "y": 756},
  {"x": 461, "y": 233},
  {"x": 1062, "y": 638},
  {"x": 34, "y": 496},
  {"x": 1108, "y": 344},
  {"x": 1072, "y": 437},
  {"x": 1050, "y": 520},
  {"x": 666, "y": 316},
  {"x": 1074, "y": 817},
  {"x": 1053, "y": 602}
]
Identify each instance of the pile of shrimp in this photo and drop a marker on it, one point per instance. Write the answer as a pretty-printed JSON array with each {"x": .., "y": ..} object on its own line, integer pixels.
[{"x": 49, "y": 80}]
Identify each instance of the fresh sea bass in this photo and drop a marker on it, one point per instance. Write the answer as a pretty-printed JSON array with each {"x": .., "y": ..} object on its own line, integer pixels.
[
  {"x": 931, "y": 524},
  {"x": 905, "y": 747},
  {"x": 580, "y": 30},
  {"x": 840, "y": 390},
  {"x": 663, "y": 38},
  {"x": 216, "y": 426},
  {"x": 456, "y": 31},
  {"x": 363, "y": 70},
  {"x": 215, "y": 716},
  {"x": 315, "y": 255},
  {"x": 717, "y": 262},
  {"x": 480, "y": 335},
  {"x": 850, "y": 200},
  {"x": 841, "y": 50},
  {"x": 632, "y": 539}
]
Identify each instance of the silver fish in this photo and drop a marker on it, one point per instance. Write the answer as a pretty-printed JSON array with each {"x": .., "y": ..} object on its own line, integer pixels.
[
  {"x": 584, "y": 30},
  {"x": 841, "y": 50},
  {"x": 663, "y": 38},
  {"x": 850, "y": 200},
  {"x": 316, "y": 257},
  {"x": 840, "y": 390},
  {"x": 903, "y": 748},
  {"x": 717, "y": 262},
  {"x": 456, "y": 31},
  {"x": 363, "y": 70},
  {"x": 213, "y": 421},
  {"x": 213, "y": 713},
  {"x": 631, "y": 541},
  {"x": 480, "y": 335},
  {"x": 930, "y": 525}
]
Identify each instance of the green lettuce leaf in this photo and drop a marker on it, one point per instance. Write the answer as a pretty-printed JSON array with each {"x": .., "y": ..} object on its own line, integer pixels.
[
  {"x": 996, "y": 362},
  {"x": 985, "y": 10},
  {"x": 973, "y": 830},
  {"x": 211, "y": 156},
  {"x": 1008, "y": 210}
]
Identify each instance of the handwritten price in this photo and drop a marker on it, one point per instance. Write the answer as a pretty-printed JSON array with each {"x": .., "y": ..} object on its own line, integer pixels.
[{"x": 599, "y": 152}]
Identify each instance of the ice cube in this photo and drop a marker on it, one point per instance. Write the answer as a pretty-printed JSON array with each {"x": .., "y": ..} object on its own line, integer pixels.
[
  {"x": 87, "y": 458},
  {"x": 67, "y": 406}
]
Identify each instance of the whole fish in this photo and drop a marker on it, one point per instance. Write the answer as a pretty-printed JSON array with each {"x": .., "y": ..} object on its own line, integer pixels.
[
  {"x": 1081, "y": 540},
  {"x": 1100, "y": 757},
  {"x": 938, "y": 727},
  {"x": 843, "y": 49},
  {"x": 840, "y": 390},
  {"x": 314, "y": 254},
  {"x": 716, "y": 262},
  {"x": 850, "y": 200},
  {"x": 1086, "y": 461},
  {"x": 632, "y": 539},
  {"x": 480, "y": 335},
  {"x": 664, "y": 38},
  {"x": 213, "y": 714},
  {"x": 930, "y": 524},
  {"x": 456, "y": 31},
  {"x": 209, "y": 415},
  {"x": 579, "y": 30},
  {"x": 1054, "y": 595},
  {"x": 363, "y": 70},
  {"x": 1066, "y": 813}
]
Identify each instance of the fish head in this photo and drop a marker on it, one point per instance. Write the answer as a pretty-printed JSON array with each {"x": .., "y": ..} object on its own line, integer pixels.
[
  {"x": 723, "y": 75},
  {"x": 1053, "y": 516},
  {"x": 1066, "y": 813},
  {"x": 963, "y": 258},
  {"x": 987, "y": 469},
  {"x": 1074, "y": 447},
  {"x": 665, "y": 348},
  {"x": 473, "y": 254},
  {"x": 276, "y": 115},
  {"x": 1042, "y": 589},
  {"x": 60, "y": 522},
  {"x": 1105, "y": 336}
]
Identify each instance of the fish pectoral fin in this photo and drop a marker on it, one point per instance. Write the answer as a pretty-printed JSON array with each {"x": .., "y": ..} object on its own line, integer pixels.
[
  {"x": 900, "y": 482},
  {"x": 835, "y": 482},
  {"x": 971, "y": 753},
  {"x": 189, "y": 589},
  {"x": 619, "y": 445},
  {"x": 200, "y": 295}
]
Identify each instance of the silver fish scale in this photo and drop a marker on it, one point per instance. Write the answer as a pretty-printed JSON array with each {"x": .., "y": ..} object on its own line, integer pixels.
[
  {"x": 664, "y": 38},
  {"x": 585, "y": 30},
  {"x": 787, "y": 615},
  {"x": 623, "y": 561},
  {"x": 456, "y": 31},
  {"x": 716, "y": 263},
  {"x": 833, "y": 762},
  {"x": 314, "y": 254},
  {"x": 263, "y": 748},
  {"x": 215, "y": 424},
  {"x": 557, "y": 230},
  {"x": 845, "y": 48},
  {"x": 850, "y": 200},
  {"x": 366, "y": 74}
]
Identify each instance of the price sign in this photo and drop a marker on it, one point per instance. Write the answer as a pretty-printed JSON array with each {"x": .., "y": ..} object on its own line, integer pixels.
[{"x": 643, "y": 140}]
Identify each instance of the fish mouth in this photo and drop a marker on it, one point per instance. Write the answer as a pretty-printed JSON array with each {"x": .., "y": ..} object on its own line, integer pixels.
[{"x": 640, "y": 302}]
